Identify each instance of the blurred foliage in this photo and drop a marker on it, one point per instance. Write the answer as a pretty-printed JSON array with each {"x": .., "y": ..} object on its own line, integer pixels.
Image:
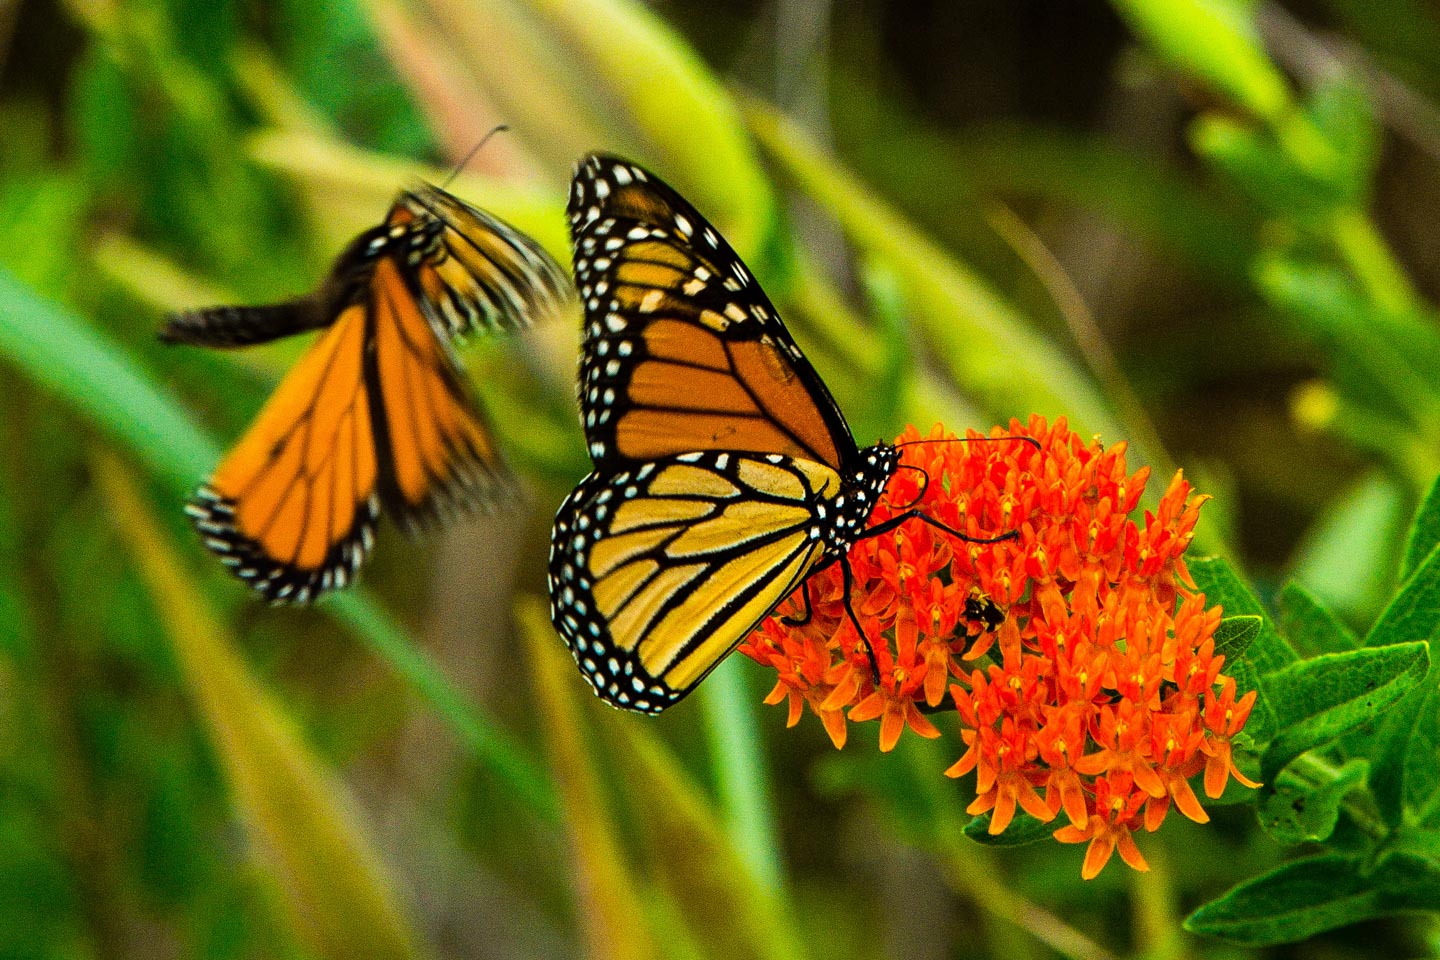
[{"x": 1205, "y": 226}]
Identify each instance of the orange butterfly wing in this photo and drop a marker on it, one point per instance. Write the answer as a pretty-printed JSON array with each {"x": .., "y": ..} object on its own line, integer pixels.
[
  {"x": 377, "y": 413},
  {"x": 682, "y": 349},
  {"x": 439, "y": 453},
  {"x": 292, "y": 508}
]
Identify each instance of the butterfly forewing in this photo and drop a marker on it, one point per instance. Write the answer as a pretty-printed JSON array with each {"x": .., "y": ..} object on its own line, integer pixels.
[
  {"x": 657, "y": 573},
  {"x": 482, "y": 272},
  {"x": 682, "y": 349}
]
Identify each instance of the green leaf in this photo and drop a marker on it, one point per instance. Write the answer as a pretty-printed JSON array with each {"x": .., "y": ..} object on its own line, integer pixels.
[
  {"x": 1214, "y": 41},
  {"x": 296, "y": 814},
  {"x": 1262, "y": 169},
  {"x": 1269, "y": 651},
  {"x": 1316, "y": 700},
  {"x": 1405, "y": 756},
  {"x": 1305, "y": 897},
  {"x": 1424, "y": 535},
  {"x": 1304, "y": 808},
  {"x": 1342, "y": 114},
  {"x": 1406, "y": 761},
  {"x": 1235, "y": 634},
  {"x": 1348, "y": 553},
  {"x": 738, "y": 758},
  {"x": 1023, "y": 830},
  {"x": 1382, "y": 357},
  {"x": 1309, "y": 625},
  {"x": 1414, "y": 612}
]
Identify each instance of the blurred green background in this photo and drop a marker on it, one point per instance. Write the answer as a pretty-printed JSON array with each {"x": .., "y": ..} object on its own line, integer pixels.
[{"x": 1207, "y": 227}]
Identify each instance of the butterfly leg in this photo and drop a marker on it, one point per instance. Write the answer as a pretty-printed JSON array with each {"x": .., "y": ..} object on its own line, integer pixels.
[
  {"x": 848, "y": 579},
  {"x": 800, "y": 621}
]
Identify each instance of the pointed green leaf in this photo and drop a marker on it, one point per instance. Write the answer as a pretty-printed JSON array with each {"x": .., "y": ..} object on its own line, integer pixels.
[
  {"x": 605, "y": 889},
  {"x": 1316, "y": 700},
  {"x": 738, "y": 757},
  {"x": 1268, "y": 652},
  {"x": 101, "y": 380},
  {"x": 1343, "y": 115},
  {"x": 1424, "y": 535},
  {"x": 1304, "y": 808},
  {"x": 1405, "y": 757},
  {"x": 990, "y": 348},
  {"x": 1235, "y": 634},
  {"x": 1023, "y": 830},
  {"x": 1302, "y": 898},
  {"x": 1414, "y": 613},
  {"x": 1405, "y": 762},
  {"x": 1309, "y": 625},
  {"x": 292, "y": 808},
  {"x": 1260, "y": 167},
  {"x": 1214, "y": 41}
]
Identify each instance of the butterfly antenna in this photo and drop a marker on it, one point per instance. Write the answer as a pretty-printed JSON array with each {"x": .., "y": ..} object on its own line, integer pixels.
[
  {"x": 464, "y": 161},
  {"x": 924, "y": 484},
  {"x": 915, "y": 443}
]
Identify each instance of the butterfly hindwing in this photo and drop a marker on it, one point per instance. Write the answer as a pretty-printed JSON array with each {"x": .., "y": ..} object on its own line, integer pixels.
[
  {"x": 682, "y": 349},
  {"x": 377, "y": 413},
  {"x": 658, "y": 572}
]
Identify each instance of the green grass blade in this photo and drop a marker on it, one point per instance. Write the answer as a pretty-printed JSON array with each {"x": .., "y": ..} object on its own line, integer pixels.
[
  {"x": 607, "y": 892},
  {"x": 296, "y": 814},
  {"x": 686, "y": 120},
  {"x": 987, "y": 345},
  {"x": 738, "y": 759},
  {"x": 1215, "y": 41}
]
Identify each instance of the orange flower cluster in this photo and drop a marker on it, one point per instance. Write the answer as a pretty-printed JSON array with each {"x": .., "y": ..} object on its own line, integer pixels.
[{"x": 1078, "y": 655}]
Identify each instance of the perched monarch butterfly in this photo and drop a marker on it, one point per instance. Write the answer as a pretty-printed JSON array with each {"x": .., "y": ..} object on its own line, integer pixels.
[
  {"x": 376, "y": 414},
  {"x": 724, "y": 472}
]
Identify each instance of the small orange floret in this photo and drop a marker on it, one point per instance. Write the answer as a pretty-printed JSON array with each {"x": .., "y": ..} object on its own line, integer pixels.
[{"x": 1078, "y": 655}]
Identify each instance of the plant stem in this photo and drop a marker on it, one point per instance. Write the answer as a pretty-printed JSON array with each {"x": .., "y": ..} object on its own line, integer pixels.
[{"x": 970, "y": 873}]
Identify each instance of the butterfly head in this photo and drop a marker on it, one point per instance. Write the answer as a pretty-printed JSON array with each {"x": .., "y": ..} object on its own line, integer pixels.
[{"x": 859, "y": 494}]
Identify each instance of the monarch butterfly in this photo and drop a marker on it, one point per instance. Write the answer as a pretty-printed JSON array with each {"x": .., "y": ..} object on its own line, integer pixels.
[
  {"x": 724, "y": 473},
  {"x": 376, "y": 414}
]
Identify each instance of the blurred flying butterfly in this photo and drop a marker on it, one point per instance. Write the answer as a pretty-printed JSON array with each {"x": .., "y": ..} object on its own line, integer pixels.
[
  {"x": 376, "y": 415},
  {"x": 724, "y": 472}
]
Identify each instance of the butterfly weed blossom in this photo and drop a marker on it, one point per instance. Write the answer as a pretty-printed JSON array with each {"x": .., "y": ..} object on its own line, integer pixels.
[{"x": 1098, "y": 693}]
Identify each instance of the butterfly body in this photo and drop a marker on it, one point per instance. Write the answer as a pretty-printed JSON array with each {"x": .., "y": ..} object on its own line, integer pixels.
[
  {"x": 724, "y": 473},
  {"x": 376, "y": 416}
]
